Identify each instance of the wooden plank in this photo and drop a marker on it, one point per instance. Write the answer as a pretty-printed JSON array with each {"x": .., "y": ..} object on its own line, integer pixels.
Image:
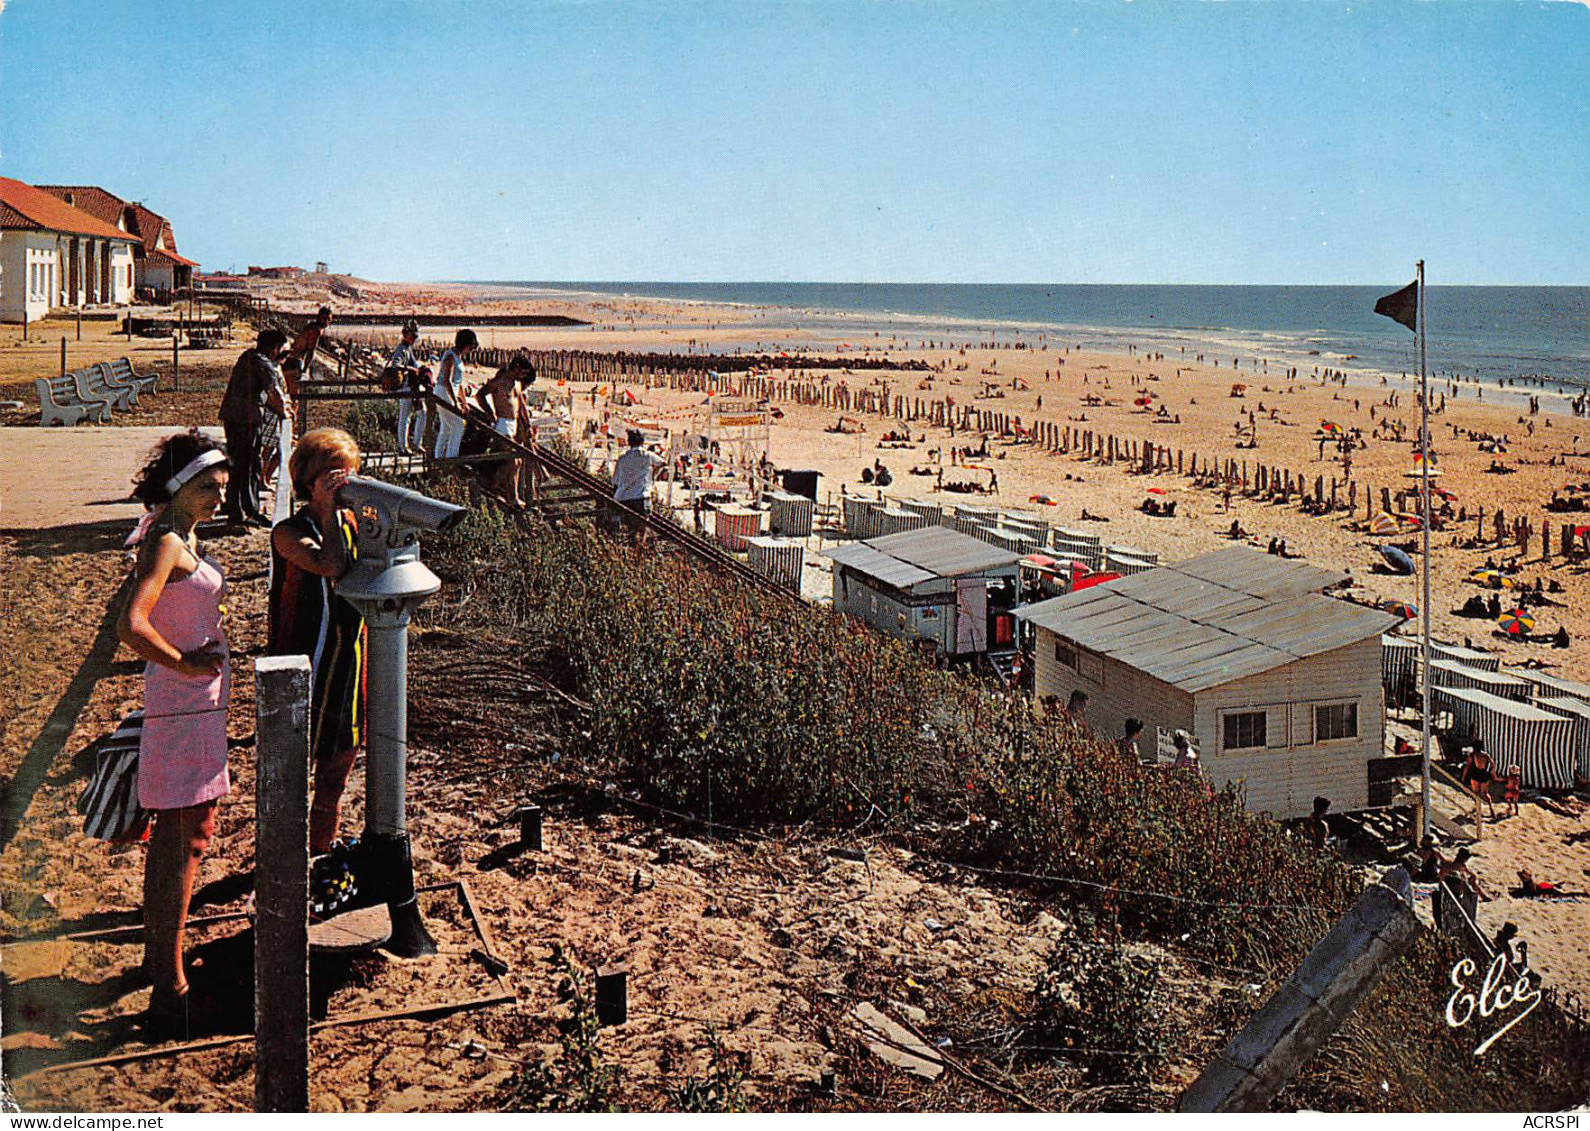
[{"x": 281, "y": 891}]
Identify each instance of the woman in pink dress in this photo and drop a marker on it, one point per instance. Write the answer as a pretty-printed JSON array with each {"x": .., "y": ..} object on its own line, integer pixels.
[{"x": 173, "y": 620}]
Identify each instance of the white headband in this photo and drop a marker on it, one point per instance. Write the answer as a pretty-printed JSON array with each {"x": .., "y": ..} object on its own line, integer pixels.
[{"x": 197, "y": 464}]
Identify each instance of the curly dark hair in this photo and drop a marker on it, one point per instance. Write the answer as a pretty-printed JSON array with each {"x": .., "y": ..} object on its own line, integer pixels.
[{"x": 170, "y": 456}]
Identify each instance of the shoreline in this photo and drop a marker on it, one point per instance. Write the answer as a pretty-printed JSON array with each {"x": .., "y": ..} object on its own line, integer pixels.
[{"x": 1258, "y": 350}]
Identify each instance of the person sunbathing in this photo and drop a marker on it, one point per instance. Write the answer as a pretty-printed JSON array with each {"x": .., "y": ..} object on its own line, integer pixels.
[{"x": 1531, "y": 888}]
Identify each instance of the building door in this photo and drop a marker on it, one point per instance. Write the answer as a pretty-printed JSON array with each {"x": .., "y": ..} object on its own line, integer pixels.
[{"x": 971, "y": 615}]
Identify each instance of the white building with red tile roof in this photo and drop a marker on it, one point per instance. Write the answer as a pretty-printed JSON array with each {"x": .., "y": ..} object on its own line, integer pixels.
[
  {"x": 160, "y": 270},
  {"x": 55, "y": 255}
]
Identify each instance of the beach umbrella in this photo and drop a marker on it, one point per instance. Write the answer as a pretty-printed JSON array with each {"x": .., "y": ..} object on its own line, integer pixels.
[
  {"x": 1382, "y": 523},
  {"x": 1491, "y": 577},
  {"x": 1396, "y": 559},
  {"x": 1443, "y": 493},
  {"x": 1409, "y": 519},
  {"x": 1401, "y": 609},
  {"x": 1515, "y": 622}
]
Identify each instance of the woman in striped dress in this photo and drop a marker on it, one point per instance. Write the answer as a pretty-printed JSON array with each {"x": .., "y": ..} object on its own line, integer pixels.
[{"x": 309, "y": 552}]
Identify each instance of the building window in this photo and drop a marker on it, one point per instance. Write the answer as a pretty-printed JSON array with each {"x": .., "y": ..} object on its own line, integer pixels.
[
  {"x": 1065, "y": 654},
  {"x": 1337, "y": 720},
  {"x": 1245, "y": 730}
]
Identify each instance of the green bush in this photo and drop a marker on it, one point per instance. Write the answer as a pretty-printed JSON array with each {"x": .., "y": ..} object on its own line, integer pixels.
[
  {"x": 1107, "y": 1004},
  {"x": 742, "y": 707}
]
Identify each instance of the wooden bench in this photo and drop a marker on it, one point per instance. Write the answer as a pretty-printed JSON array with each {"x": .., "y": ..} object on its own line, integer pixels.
[
  {"x": 60, "y": 404},
  {"x": 91, "y": 387},
  {"x": 119, "y": 375}
]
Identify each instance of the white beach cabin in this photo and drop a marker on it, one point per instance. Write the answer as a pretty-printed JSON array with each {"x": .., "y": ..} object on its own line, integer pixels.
[
  {"x": 1279, "y": 685},
  {"x": 932, "y": 584}
]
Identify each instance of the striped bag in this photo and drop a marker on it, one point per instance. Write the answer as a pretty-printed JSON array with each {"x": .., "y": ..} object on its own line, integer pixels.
[{"x": 110, "y": 802}]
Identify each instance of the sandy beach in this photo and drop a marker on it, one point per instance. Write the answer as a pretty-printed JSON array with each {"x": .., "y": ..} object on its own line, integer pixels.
[
  {"x": 983, "y": 370},
  {"x": 1047, "y": 380}
]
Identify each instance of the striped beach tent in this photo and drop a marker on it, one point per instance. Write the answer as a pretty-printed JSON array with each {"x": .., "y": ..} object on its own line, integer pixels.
[
  {"x": 1538, "y": 741},
  {"x": 1542, "y": 683},
  {"x": 1468, "y": 657},
  {"x": 1399, "y": 663},
  {"x": 1579, "y": 711},
  {"x": 781, "y": 559},
  {"x": 789, "y": 514},
  {"x": 1450, "y": 673}
]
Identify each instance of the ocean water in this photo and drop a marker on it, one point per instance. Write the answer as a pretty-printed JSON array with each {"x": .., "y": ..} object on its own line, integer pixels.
[{"x": 1489, "y": 333}]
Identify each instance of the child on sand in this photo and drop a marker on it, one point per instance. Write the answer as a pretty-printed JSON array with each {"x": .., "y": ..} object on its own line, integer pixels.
[{"x": 1513, "y": 788}]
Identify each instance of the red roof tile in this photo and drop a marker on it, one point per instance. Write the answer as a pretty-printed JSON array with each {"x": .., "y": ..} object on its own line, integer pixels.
[
  {"x": 162, "y": 253},
  {"x": 150, "y": 225},
  {"x": 91, "y": 199},
  {"x": 34, "y": 209}
]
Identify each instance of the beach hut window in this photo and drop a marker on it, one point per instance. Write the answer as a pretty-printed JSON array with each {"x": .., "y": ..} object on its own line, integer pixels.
[
  {"x": 1064, "y": 653},
  {"x": 1336, "y": 720},
  {"x": 1090, "y": 666},
  {"x": 1245, "y": 730}
]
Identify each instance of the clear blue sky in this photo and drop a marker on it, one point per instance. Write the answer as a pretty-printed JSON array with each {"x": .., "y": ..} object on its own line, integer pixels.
[{"x": 1243, "y": 142}]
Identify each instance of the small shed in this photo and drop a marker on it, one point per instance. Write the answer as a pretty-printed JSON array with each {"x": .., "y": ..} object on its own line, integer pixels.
[
  {"x": 931, "y": 584},
  {"x": 1278, "y": 684},
  {"x": 1538, "y": 741}
]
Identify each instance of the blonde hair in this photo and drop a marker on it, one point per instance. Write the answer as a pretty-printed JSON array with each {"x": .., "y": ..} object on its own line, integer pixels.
[{"x": 319, "y": 451}]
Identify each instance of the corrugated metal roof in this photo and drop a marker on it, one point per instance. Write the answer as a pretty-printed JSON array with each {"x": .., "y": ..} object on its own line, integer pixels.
[
  {"x": 944, "y": 552},
  {"x": 1512, "y": 708},
  {"x": 1216, "y": 618},
  {"x": 865, "y": 560}
]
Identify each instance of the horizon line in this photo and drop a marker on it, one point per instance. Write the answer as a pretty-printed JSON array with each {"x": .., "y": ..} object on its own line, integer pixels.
[{"x": 944, "y": 283}]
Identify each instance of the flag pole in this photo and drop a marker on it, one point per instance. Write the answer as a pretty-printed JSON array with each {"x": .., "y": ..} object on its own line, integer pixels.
[{"x": 1424, "y": 490}]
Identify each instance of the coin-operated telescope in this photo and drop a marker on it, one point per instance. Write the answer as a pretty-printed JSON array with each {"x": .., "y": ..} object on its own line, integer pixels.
[{"x": 386, "y": 583}]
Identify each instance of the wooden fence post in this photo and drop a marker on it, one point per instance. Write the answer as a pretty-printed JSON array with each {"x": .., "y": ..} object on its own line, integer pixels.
[
  {"x": 1338, "y": 973},
  {"x": 281, "y": 889}
]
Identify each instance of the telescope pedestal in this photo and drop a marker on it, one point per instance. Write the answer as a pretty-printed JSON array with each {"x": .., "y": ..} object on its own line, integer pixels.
[{"x": 386, "y": 584}]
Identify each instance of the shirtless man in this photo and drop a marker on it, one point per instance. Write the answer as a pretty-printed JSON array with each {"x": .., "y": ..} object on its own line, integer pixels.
[{"x": 502, "y": 398}]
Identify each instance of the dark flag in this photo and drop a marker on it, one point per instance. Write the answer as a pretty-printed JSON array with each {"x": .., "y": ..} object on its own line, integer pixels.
[{"x": 1401, "y": 306}]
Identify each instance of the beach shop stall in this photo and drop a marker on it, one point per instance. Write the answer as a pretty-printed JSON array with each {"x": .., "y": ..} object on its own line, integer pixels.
[
  {"x": 934, "y": 584},
  {"x": 1278, "y": 684},
  {"x": 1538, "y": 741}
]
